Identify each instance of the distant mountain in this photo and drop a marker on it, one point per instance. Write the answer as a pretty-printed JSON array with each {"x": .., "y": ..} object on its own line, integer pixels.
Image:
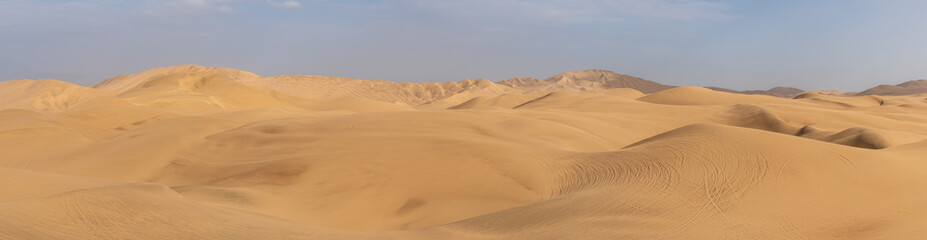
[
  {"x": 785, "y": 92},
  {"x": 205, "y": 88},
  {"x": 584, "y": 80},
  {"x": 305, "y": 86},
  {"x": 906, "y": 88},
  {"x": 405, "y": 93}
]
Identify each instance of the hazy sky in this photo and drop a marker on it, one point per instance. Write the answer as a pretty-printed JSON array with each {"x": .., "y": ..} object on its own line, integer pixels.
[{"x": 845, "y": 45}]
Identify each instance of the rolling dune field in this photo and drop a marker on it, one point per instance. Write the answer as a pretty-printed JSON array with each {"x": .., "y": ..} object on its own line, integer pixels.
[{"x": 191, "y": 152}]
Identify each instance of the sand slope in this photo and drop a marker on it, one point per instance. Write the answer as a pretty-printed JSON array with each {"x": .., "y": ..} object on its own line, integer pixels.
[{"x": 190, "y": 152}]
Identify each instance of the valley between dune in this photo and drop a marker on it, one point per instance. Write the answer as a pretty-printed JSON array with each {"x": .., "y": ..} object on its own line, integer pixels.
[{"x": 191, "y": 152}]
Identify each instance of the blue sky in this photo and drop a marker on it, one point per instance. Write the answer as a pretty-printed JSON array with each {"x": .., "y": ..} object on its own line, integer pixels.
[{"x": 843, "y": 45}]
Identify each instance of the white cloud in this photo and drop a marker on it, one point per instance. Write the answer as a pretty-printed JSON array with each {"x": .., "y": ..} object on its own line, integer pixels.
[
  {"x": 585, "y": 10},
  {"x": 192, "y": 6},
  {"x": 666, "y": 9},
  {"x": 203, "y": 3},
  {"x": 222, "y": 6},
  {"x": 284, "y": 4}
]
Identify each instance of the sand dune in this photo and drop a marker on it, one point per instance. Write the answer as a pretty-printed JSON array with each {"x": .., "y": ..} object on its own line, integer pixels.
[
  {"x": 704, "y": 96},
  {"x": 44, "y": 95},
  {"x": 190, "y": 152},
  {"x": 709, "y": 181},
  {"x": 125, "y": 82},
  {"x": 501, "y": 101},
  {"x": 319, "y": 87}
]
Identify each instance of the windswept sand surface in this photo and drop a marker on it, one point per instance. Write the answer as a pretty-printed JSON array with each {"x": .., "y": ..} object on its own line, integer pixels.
[{"x": 191, "y": 152}]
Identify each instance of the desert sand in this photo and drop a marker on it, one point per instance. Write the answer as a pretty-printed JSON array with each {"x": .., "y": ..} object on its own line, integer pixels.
[{"x": 191, "y": 152}]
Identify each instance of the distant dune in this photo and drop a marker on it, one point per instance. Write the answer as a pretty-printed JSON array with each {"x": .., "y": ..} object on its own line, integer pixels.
[
  {"x": 785, "y": 92},
  {"x": 191, "y": 152},
  {"x": 906, "y": 88},
  {"x": 584, "y": 80}
]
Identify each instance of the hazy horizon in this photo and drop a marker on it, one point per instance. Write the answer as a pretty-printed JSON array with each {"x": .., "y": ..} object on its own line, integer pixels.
[{"x": 821, "y": 45}]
